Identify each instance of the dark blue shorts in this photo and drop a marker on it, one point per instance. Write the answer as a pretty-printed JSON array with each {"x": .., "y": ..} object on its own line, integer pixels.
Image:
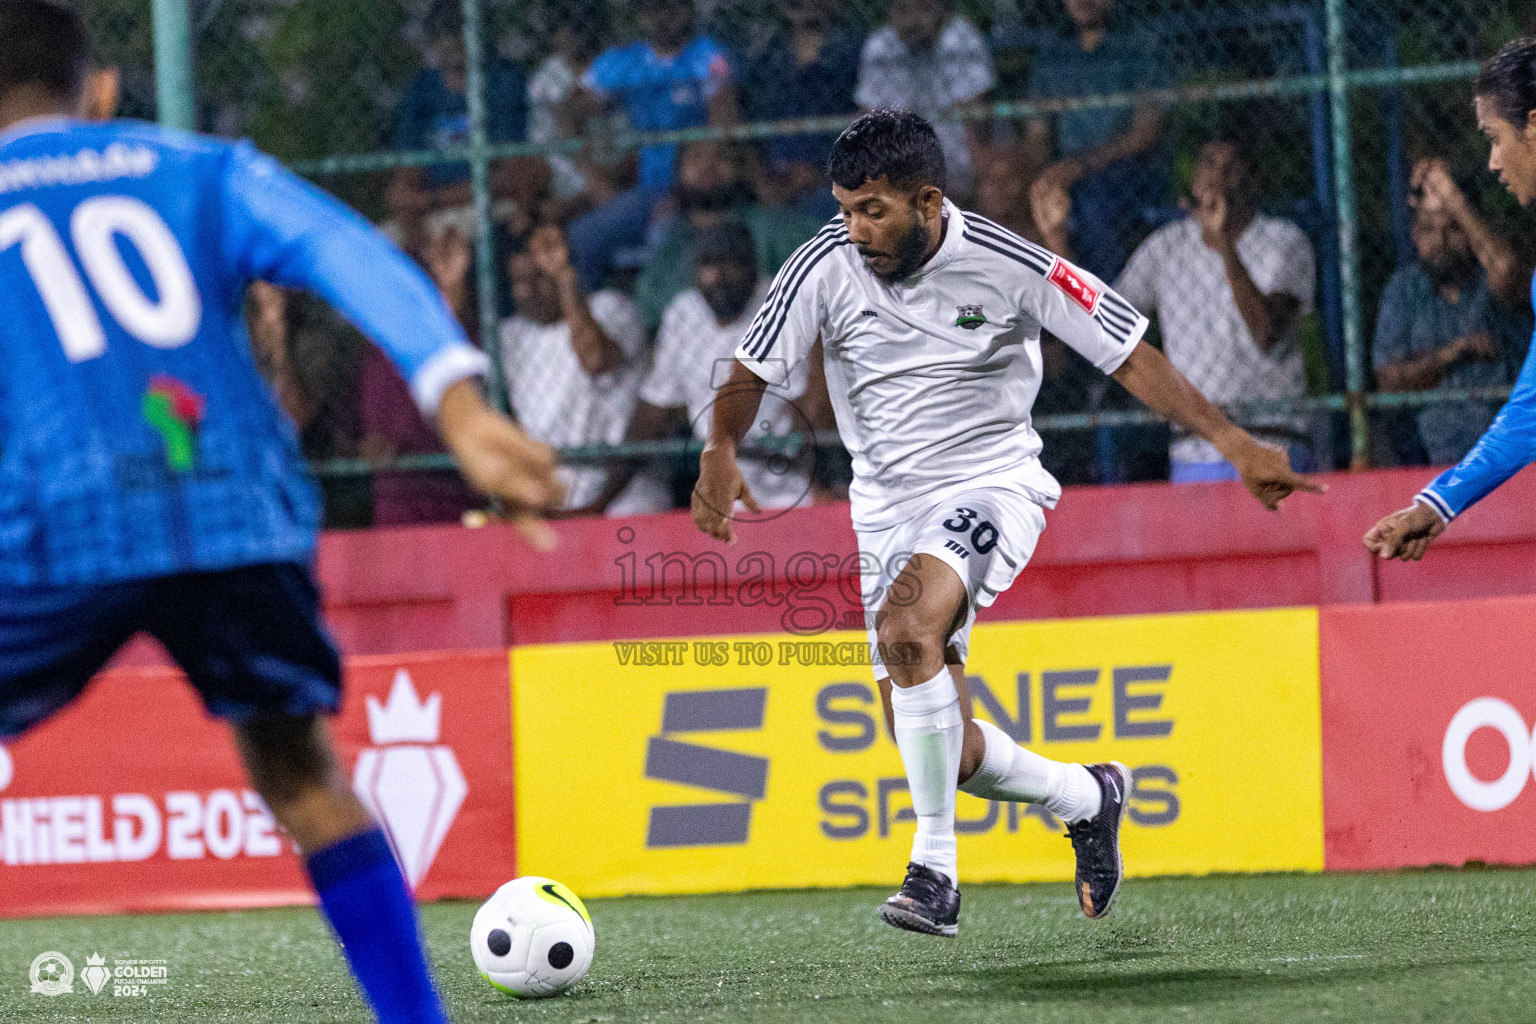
[{"x": 250, "y": 640}]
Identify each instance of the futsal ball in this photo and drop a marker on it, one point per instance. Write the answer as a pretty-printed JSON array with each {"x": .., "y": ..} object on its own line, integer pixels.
[{"x": 533, "y": 938}]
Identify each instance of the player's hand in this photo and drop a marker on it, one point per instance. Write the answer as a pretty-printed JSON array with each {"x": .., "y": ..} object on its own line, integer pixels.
[
  {"x": 1266, "y": 472},
  {"x": 720, "y": 486},
  {"x": 1406, "y": 533},
  {"x": 500, "y": 460}
]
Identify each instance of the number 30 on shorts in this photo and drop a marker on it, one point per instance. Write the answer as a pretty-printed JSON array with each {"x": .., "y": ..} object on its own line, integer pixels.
[{"x": 983, "y": 535}]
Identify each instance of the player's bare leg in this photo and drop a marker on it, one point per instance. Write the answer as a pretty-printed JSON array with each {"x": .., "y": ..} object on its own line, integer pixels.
[
  {"x": 362, "y": 892},
  {"x": 1090, "y": 799},
  {"x": 293, "y": 767}
]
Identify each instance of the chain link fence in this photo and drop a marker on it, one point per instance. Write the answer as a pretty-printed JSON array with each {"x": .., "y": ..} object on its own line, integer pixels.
[{"x": 563, "y": 168}]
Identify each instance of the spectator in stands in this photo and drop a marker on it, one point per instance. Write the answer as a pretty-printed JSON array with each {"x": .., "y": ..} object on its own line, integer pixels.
[
  {"x": 1228, "y": 285},
  {"x": 807, "y": 68},
  {"x": 1105, "y": 157},
  {"x": 667, "y": 79},
  {"x": 312, "y": 358},
  {"x": 694, "y": 352},
  {"x": 392, "y": 425},
  {"x": 1003, "y": 177},
  {"x": 582, "y": 180},
  {"x": 929, "y": 58},
  {"x": 434, "y": 114},
  {"x": 1447, "y": 319},
  {"x": 573, "y": 366},
  {"x": 710, "y": 189}
]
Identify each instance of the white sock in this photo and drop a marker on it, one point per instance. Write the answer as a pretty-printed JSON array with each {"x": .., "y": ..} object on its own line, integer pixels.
[
  {"x": 929, "y": 734},
  {"x": 1010, "y": 772}
]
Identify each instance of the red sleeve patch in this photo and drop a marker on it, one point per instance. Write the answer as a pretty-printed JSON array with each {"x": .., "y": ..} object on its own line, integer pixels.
[{"x": 1065, "y": 276}]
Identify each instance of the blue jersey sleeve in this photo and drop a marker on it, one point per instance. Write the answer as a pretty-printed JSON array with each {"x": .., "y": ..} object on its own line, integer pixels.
[
  {"x": 280, "y": 228},
  {"x": 1507, "y": 447},
  {"x": 609, "y": 72}
]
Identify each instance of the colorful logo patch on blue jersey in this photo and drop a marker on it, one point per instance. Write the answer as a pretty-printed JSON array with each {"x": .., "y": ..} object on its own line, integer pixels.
[{"x": 175, "y": 411}]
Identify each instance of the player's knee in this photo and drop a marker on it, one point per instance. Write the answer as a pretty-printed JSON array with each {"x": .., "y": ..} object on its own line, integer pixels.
[
  {"x": 287, "y": 758},
  {"x": 908, "y": 636}
]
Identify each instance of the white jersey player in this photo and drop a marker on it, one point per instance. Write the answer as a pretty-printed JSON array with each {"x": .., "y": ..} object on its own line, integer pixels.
[{"x": 930, "y": 320}]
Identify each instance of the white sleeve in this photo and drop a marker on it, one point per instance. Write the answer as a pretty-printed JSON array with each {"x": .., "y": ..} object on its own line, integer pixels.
[
  {"x": 619, "y": 317},
  {"x": 1290, "y": 267},
  {"x": 874, "y": 66},
  {"x": 1095, "y": 321},
  {"x": 1137, "y": 283},
  {"x": 663, "y": 386},
  {"x": 968, "y": 61},
  {"x": 791, "y": 317}
]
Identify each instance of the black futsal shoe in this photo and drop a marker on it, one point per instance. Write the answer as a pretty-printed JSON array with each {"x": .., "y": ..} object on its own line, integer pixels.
[
  {"x": 1096, "y": 841},
  {"x": 927, "y": 903}
]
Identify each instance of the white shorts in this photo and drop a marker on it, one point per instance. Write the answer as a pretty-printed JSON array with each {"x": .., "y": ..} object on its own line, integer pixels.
[{"x": 986, "y": 533}]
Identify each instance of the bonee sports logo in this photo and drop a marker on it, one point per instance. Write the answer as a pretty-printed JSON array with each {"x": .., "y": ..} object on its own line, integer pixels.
[{"x": 1488, "y": 713}]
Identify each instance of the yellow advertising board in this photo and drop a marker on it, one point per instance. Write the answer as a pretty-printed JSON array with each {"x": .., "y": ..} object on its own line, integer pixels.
[{"x": 727, "y": 763}]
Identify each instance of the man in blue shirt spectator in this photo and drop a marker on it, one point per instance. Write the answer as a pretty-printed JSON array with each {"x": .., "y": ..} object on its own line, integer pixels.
[
  {"x": 808, "y": 68},
  {"x": 434, "y": 114},
  {"x": 666, "y": 80},
  {"x": 1106, "y": 157},
  {"x": 1447, "y": 320}
]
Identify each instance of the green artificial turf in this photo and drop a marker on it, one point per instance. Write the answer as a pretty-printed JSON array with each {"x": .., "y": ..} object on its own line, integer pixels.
[{"x": 1423, "y": 946}]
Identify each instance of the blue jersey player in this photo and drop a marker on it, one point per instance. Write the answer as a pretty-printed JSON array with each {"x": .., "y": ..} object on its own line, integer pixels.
[
  {"x": 148, "y": 481},
  {"x": 1506, "y": 112}
]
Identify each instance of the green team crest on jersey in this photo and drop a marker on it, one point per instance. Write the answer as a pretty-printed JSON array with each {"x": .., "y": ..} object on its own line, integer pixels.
[{"x": 970, "y": 317}]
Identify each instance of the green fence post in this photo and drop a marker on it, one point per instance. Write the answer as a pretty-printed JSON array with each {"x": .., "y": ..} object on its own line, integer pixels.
[
  {"x": 174, "y": 90},
  {"x": 1349, "y": 232},
  {"x": 480, "y": 182}
]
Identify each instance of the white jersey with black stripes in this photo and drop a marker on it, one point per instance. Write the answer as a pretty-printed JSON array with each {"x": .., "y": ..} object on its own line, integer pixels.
[{"x": 933, "y": 377}]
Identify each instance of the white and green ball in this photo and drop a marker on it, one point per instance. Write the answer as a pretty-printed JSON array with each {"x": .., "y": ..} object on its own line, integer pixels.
[{"x": 533, "y": 938}]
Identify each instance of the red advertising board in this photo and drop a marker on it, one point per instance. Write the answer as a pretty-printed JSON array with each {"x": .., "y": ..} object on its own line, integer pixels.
[
  {"x": 1428, "y": 712},
  {"x": 133, "y": 799}
]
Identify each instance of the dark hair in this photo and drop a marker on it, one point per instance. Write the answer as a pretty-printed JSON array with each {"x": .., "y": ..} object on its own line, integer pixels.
[
  {"x": 45, "y": 45},
  {"x": 1244, "y": 146},
  {"x": 892, "y": 144},
  {"x": 727, "y": 242},
  {"x": 1509, "y": 80}
]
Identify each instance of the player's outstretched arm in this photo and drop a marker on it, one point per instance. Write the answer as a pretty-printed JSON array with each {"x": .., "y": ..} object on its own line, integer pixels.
[
  {"x": 500, "y": 460},
  {"x": 281, "y": 229},
  {"x": 720, "y": 483},
  {"x": 1508, "y": 446},
  {"x": 1265, "y": 469}
]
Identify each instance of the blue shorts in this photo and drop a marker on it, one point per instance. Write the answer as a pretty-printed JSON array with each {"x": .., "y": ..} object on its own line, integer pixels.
[{"x": 250, "y": 640}]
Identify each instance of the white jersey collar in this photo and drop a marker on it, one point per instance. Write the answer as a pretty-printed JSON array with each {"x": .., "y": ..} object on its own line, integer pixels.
[{"x": 949, "y": 247}]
